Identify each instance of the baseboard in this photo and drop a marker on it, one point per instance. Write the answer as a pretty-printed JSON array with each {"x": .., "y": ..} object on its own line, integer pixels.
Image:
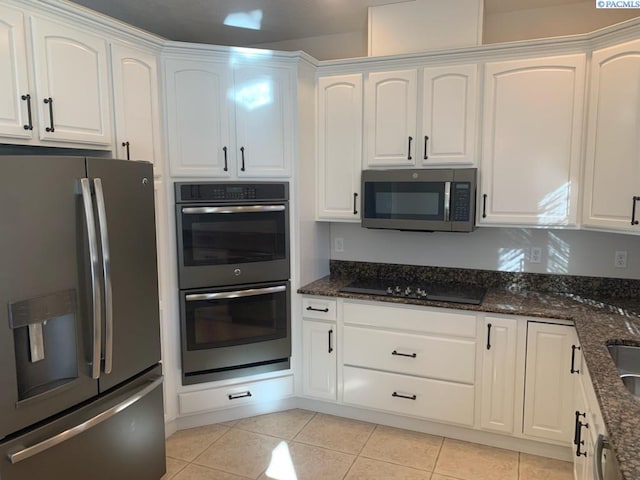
[{"x": 408, "y": 423}]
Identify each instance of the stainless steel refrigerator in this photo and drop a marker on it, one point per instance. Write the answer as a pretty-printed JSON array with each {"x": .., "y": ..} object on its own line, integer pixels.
[{"x": 80, "y": 378}]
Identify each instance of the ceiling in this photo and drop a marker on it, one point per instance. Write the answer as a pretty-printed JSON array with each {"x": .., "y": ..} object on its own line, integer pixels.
[{"x": 264, "y": 21}]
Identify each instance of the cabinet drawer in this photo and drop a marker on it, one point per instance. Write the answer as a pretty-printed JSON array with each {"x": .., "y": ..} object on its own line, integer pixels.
[
  {"x": 321, "y": 308},
  {"x": 434, "y": 399},
  {"x": 425, "y": 356},
  {"x": 418, "y": 319},
  {"x": 236, "y": 395}
]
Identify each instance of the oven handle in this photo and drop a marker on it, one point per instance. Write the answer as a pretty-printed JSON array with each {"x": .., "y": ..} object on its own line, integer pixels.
[
  {"x": 194, "y": 297},
  {"x": 233, "y": 209}
]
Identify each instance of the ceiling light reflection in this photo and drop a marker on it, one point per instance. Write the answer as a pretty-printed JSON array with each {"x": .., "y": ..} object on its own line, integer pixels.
[{"x": 250, "y": 20}]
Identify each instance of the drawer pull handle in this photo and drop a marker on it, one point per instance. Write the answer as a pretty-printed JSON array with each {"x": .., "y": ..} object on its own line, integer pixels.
[
  {"x": 573, "y": 359},
  {"x": 323, "y": 310},
  {"x": 412, "y": 355},
  {"x": 234, "y": 396},
  {"x": 396, "y": 394},
  {"x": 577, "y": 440}
]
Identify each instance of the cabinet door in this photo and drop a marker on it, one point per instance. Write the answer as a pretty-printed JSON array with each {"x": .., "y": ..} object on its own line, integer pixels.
[
  {"x": 319, "y": 350},
  {"x": 135, "y": 91},
  {"x": 391, "y": 99},
  {"x": 549, "y": 383},
  {"x": 339, "y": 147},
  {"x": 264, "y": 121},
  {"x": 71, "y": 73},
  {"x": 449, "y": 115},
  {"x": 532, "y": 140},
  {"x": 581, "y": 462},
  {"x": 612, "y": 176},
  {"x": 14, "y": 80},
  {"x": 198, "y": 118},
  {"x": 499, "y": 374}
]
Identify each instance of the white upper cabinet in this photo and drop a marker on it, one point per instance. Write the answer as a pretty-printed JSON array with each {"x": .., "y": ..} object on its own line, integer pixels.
[
  {"x": 447, "y": 115},
  {"x": 264, "y": 122},
  {"x": 198, "y": 118},
  {"x": 531, "y": 144},
  {"x": 72, "y": 84},
  {"x": 449, "y": 110},
  {"x": 14, "y": 77},
  {"x": 612, "y": 176},
  {"x": 391, "y": 104},
  {"x": 339, "y": 147},
  {"x": 135, "y": 95},
  {"x": 225, "y": 123}
]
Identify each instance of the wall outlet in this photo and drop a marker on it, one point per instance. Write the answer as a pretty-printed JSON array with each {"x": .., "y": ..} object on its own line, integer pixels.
[
  {"x": 338, "y": 244},
  {"x": 536, "y": 255},
  {"x": 620, "y": 259}
]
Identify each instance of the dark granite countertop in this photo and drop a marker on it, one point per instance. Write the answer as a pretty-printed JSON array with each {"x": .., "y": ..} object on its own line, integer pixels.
[{"x": 598, "y": 321}]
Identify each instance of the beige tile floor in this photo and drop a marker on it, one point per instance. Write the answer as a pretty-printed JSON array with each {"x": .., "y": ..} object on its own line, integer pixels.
[{"x": 299, "y": 444}]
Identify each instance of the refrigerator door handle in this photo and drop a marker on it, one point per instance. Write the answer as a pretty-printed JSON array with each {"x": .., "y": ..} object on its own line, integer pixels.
[
  {"x": 78, "y": 429},
  {"x": 106, "y": 269},
  {"x": 95, "y": 281}
]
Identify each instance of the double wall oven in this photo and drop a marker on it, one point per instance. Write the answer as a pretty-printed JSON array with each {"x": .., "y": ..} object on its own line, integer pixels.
[{"x": 233, "y": 271}]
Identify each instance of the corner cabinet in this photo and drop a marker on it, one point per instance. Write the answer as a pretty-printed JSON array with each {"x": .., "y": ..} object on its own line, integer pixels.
[
  {"x": 229, "y": 121},
  {"x": 137, "y": 113},
  {"x": 445, "y": 105},
  {"x": 68, "y": 99},
  {"x": 612, "y": 176},
  {"x": 531, "y": 145},
  {"x": 339, "y": 147}
]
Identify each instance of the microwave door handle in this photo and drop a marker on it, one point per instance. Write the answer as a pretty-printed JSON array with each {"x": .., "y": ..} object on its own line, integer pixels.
[
  {"x": 106, "y": 269},
  {"x": 95, "y": 280},
  {"x": 447, "y": 201},
  {"x": 233, "y": 209},
  {"x": 194, "y": 297}
]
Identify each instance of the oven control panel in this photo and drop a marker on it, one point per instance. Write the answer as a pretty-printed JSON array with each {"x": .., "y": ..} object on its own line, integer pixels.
[{"x": 231, "y": 191}]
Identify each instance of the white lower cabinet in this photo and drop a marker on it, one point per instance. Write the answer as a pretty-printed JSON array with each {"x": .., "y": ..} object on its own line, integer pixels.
[
  {"x": 549, "y": 381},
  {"x": 236, "y": 395},
  {"x": 421, "y": 397},
  {"x": 319, "y": 348},
  {"x": 499, "y": 374},
  {"x": 320, "y": 364},
  {"x": 410, "y": 360},
  {"x": 503, "y": 374}
]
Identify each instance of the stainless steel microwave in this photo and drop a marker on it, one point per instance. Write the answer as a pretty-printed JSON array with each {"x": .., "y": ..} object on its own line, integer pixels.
[{"x": 420, "y": 199}]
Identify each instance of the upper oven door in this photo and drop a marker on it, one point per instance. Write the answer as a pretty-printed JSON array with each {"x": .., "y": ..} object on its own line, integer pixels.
[{"x": 232, "y": 244}]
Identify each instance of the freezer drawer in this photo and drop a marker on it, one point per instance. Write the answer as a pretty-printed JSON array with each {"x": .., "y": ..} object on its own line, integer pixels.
[{"x": 119, "y": 436}]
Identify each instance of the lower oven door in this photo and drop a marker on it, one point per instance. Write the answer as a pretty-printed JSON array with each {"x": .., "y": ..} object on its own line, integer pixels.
[{"x": 232, "y": 328}]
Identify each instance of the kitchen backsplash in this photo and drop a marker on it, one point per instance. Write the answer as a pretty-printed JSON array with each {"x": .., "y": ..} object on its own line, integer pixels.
[{"x": 563, "y": 252}]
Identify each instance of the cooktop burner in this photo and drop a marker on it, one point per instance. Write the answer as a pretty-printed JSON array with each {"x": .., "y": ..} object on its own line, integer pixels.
[{"x": 439, "y": 292}]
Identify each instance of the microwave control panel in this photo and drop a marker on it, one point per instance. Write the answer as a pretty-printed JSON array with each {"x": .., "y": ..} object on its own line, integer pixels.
[{"x": 461, "y": 202}]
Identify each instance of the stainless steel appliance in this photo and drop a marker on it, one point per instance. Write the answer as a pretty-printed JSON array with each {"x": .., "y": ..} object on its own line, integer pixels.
[
  {"x": 231, "y": 233},
  {"x": 233, "y": 262},
  {"x": 423, "y": 200},
  {"x": 439, "y": 292},
  {"x": 81, "y": 384}
]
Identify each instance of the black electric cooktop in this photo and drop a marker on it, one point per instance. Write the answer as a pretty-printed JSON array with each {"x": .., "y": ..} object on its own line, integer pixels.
[{"x": 438, "y": 292}]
